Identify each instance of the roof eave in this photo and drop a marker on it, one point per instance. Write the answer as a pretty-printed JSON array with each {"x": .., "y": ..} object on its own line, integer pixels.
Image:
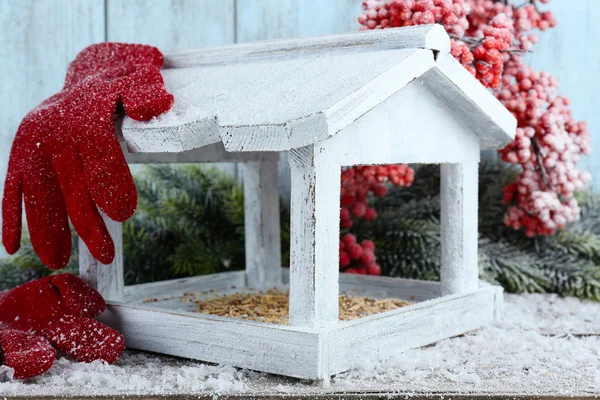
[{"x": 475, "y": 105}]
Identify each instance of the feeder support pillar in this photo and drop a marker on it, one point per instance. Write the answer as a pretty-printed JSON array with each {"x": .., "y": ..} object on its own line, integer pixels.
[
  {"x": 106, "y": 279},
  {"x": 261, "y": 222},
  {"x": 314, "y": 241},
  {"x": 458, "y": 194}
]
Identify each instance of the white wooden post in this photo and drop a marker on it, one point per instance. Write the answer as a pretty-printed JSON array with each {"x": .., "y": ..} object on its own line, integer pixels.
[
  {"x": 261, "y": 223},
  {"x": 314, "y": 241},
  {"x": 458, "y": 193},
  {"x": 106, "y": 279}
]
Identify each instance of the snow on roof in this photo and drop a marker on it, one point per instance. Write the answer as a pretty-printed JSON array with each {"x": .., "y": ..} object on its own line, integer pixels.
[{"x": 284, "y": 94}]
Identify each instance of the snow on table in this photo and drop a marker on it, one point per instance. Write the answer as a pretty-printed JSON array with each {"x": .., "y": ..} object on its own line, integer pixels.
[{"x": 546, "y": 345}]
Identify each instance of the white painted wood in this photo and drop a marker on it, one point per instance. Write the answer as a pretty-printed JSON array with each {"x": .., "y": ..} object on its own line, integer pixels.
[
  {"x": 265, "y": 347},
  {"x": 270, "y": 104},
  {"x": 161, "y": 137},
  {"x": 314, "y": 353},
  {"x": 261, "y": 223},
  {"x": 473, "y": 104},
  {"x": 458, "y": 225},
  {"x": 207, "y": 154},
  {"x": 413, "y": 126},
  {"x": 176, "y": 287},
  {"x": 170, "y": 25},
  {"x": 406, "y": 328},
  {"x": 390, "y": 106},
  {"x": 106, "y": 279},
  {"x": 314, "y": 240},
  {"x": 381, "y": 287},
  {"x": 432, "y": 37},
  {"x": 274, "y": 19},
  {"x": 292, "y": 100}
]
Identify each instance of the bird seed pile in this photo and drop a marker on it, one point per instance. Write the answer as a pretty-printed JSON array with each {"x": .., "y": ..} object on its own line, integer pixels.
[{"x": 273, "y": 305}]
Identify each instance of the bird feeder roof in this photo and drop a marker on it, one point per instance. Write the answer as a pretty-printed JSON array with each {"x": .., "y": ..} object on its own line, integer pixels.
[{"x": 285, "y": 94}]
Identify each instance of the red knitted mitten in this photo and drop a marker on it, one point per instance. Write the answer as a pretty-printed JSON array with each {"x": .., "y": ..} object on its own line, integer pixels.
[
  {"x": 54, "y": 312},
  {"x": 66, "y": 158}
]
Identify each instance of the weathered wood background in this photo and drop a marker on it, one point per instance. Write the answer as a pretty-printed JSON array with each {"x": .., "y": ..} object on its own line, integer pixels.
[{"x": 39, "y": 37}]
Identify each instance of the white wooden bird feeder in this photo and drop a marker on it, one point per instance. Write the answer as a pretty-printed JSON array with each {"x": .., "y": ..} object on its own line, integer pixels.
[{"x": 380, "y": 97}]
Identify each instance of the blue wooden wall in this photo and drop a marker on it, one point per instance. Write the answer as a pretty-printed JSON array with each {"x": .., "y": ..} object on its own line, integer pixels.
[{"x": 39, "y": 37}]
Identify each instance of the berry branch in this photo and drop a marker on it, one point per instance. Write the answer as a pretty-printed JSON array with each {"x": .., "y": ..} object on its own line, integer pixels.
[{"x": 489, "y": 37}]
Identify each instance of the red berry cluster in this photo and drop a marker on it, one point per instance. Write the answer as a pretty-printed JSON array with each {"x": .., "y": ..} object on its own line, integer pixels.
[
  {"x": 488, "y": 37},
  {"x": 358, "y": 183},
  {"x": 358, "y": 258},
  {"x": 547, "y": 146},
  {"x": 379, "y": 14}
]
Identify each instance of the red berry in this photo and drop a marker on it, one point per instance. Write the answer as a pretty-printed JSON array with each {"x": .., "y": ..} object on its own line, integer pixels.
[
  {"x": 359, "y": 209},
  {"x": 354, "y": 251},
  {"x": 361, "y": 270},
  {"x": 344, "y": 213},
  {"x": 368, "y": 244},
  {"x": 380, "y": 190},
  {"x": 367, "y": 257},
  {"x": 344, "y": 259},
  {"x": 349, "y": 238},
  {"x": 346, "y": 223},
  {"x": 347, "y": 200},
  {"x": 370, "y": 214},
  {"x": 374, "y": 269},
  {"x": 351, "y": 271}
]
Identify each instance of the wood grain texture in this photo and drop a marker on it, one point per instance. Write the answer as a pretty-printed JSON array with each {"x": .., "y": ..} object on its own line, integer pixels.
[
  {"x": 383, "y": 286},
  {"x": 106, "y": 279},
  {"x": 407, "y": 328},
  {"x": 413, "y": 126},
  {"x": 261, "y": 223},
  {"x": 247, "y": 344},
  {"x": 211, "y": 153},
  {"x": 458, "y": 227},
  {"x": 475, "y": 105},
  {"x": 38, "y": 39},
  {"x": 571, "y": 53},
  {"x": 431, "y": 37},
  {"x": 284, "y": 99},
  {"x": 276, "y": 19},
  {"x": 171, "y": 25},
  {"x": 175, "y": 287},
  {"x": 314, "y": 239}
]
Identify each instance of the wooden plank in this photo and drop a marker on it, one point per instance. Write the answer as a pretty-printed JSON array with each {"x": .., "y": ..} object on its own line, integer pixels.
[
  {"x": 567, "y": 52},
  {"x": 176, "y": 287},
  {"x": 314, "y": 239},
  {"x": 38, "y": 40},
  {"x": 382, "y": 287},
  {"x": 172, "y": 24},
  {"x": 247, "y": 344},
  {"x": 458, "y": 193},
  {"x": 211, "y": 153},
  {"x": 432, "y": 37},
  {"x": 292, "y": 101},
  {"x": 274, "y": 19},
  {"x": 409, "y": 327},
  {"x": 413, "y": 126},
  {"x": 106, "y": 279},
  {"x": 261, "y": 224},
  {"x": 472, "y": 102},
  {"x": 271, "y": 105}
]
